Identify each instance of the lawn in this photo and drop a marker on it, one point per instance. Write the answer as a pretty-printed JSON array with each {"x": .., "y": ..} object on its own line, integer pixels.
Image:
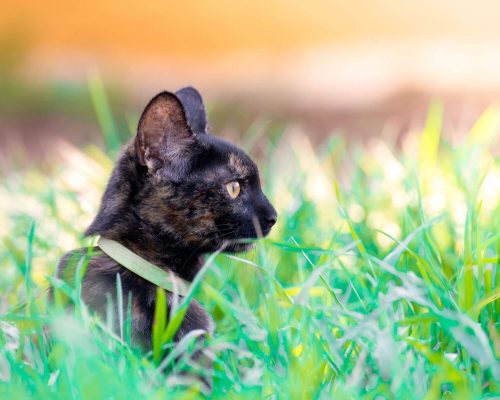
[{"x": 379, "y": 281}]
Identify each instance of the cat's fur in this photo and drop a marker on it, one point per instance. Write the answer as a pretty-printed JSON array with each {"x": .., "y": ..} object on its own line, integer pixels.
[{"x": 167, "y": 201}]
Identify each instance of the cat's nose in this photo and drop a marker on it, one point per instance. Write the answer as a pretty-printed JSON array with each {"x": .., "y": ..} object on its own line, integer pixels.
[
  {"x": 271, "y": 218},
  {"x": 268, "y": 215}
]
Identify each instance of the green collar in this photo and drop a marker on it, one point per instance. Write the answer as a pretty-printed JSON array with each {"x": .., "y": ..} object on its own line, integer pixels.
[{"x": 139, "y": 266}]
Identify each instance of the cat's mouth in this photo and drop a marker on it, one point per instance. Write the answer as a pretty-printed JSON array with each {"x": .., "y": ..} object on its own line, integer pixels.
[{"x": 244, "y": 237}]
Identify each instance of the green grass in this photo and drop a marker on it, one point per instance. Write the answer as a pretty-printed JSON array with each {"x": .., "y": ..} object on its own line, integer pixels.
[{"x": 379, "y": 281}]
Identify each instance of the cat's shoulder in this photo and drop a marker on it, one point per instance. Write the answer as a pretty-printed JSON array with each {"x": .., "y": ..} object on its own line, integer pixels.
[{"x": 91, "y": 259}]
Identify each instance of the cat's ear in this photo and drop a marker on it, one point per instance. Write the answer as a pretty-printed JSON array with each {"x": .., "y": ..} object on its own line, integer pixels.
[
  {"x": 195, "y": 109},
  {"x": 164, "y": 138}
]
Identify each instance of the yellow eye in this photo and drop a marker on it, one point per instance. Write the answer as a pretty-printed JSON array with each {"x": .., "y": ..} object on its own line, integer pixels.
[{"x": 233, "y": 188}]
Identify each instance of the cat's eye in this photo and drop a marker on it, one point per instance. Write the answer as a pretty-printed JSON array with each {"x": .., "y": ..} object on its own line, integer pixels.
[{"x": 233, "y": 188}]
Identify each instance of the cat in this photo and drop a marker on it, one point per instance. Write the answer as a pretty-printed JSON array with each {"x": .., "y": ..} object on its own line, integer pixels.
[{"x": 175, "y": 194}]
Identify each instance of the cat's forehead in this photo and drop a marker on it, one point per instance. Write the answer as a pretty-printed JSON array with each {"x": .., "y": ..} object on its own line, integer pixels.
[
  {"x": 233, "y": 158},
  {"x": 240, "y": 163}
]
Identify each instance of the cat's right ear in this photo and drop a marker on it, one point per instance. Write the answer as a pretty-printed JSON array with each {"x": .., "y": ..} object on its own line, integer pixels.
[
  {"x": 195, "y": 109},
  {"x": 164, "y": 138}
]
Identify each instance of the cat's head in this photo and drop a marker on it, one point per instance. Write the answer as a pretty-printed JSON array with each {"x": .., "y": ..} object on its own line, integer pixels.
[{"x": 198, "y": 189}]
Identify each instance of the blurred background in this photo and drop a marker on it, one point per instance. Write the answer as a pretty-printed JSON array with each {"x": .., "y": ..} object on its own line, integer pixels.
[{"x": 358, "y": 68}]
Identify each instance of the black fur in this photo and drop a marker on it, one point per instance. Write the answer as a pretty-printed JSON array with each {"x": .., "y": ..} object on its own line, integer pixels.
[{"x": 167, "y": 201}]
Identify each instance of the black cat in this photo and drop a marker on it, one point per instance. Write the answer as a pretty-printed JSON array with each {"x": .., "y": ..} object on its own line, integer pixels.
[{"x": 176, "y": 193}]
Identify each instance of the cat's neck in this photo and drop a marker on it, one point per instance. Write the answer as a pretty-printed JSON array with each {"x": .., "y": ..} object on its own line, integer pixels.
[{"x": 184, "y": 262}]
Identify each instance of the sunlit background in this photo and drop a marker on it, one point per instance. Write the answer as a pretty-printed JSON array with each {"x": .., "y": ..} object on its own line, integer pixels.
[
  {"x": 375, "y": 125},
  {"x": 359, "y": 68}
]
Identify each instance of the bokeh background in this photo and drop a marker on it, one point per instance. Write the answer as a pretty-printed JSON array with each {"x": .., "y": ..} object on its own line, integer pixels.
[
  {"x": 359, "y": 68},
  {"x": 375, "y": 125}
]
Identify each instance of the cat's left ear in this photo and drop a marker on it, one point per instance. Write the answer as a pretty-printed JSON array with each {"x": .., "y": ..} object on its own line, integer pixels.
[
  {"x": 164, "y": 138},
  {"x": 195, "y": 109}
]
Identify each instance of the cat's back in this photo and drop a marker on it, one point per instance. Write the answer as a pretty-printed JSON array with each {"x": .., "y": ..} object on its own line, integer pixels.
[
  {"x": 99, "y": 287},
  {"x": 101, "y": 274}
]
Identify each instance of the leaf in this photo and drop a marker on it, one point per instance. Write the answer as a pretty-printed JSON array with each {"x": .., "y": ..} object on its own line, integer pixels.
[{"x": 159, "y": 324}]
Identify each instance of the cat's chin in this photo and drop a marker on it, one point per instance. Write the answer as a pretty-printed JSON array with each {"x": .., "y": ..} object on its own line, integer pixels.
[{"x": 238, "y": 247}]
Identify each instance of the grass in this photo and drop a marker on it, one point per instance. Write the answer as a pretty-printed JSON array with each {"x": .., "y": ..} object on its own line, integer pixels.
[{"x": 379, "y": 281}]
